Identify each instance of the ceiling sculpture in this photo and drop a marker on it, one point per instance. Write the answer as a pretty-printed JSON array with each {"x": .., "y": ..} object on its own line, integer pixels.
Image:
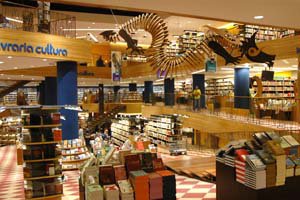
[{"x": 215, "y": 41}]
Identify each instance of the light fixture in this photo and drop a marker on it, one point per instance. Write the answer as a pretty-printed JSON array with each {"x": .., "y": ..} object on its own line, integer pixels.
[
  {"x": 285, "y": 61},
  {"x": 9, "y": 57},
  {"x": 90, "y": 29},
  {"x": 2, "y": 74},
  {"x": 32, "y": 79},
  {"x": 1, "y": 62},
  {"x": 44, "y": 59},
  {"x": 202, "y": 70},
  {"x": 14, "y": 20},
  {"x": 93, "y": 23},
  {"x": 15, "y": 67},
  {"x": 258, "y": 17},
  {"x": 22, "y": 75},
  {"x": 226, "y": 69},
  {"x": 227, "y": 26}
]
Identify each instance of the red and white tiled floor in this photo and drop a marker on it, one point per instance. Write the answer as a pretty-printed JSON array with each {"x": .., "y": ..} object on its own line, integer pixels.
[{"x": 11, "y": 180}]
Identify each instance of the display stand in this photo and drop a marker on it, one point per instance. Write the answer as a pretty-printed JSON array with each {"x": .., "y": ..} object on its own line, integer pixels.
[
  {"x": 74, "y": 154},
  {"x": 229, "y": 188},
  {"x": 42, "y": 166}
]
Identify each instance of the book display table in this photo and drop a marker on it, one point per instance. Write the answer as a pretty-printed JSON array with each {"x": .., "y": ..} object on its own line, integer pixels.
[{"x": 229, "y": 189}]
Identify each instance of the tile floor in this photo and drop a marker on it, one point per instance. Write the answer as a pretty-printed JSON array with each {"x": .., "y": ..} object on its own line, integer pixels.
[{"x": 11, "y": 180}]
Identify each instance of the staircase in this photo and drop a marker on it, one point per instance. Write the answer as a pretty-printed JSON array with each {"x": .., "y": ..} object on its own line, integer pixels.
[
  {"x": 107, "y": 117},
  {"x": 12, "y": 88}
]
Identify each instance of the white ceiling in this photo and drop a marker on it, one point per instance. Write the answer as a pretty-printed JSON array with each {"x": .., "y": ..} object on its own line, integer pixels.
[{"x": 276, "y": 12}]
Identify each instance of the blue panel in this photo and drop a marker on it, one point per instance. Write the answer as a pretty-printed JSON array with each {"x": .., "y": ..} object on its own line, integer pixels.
[
  {"x": 199, "y": 80},
  {"x": 169, "y": 88},
  {"x": 241, "y": 88},
  {"x": 67, "y": 95},
  {"x": 148, "y": 91},
  {"x": 50, "y": 91}
]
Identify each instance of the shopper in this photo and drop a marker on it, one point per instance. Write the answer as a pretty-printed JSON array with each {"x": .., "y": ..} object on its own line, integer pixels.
[{"x": 196, "y": 97}]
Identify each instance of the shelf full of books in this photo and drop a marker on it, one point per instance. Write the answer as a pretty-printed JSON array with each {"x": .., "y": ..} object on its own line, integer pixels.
[
  {"x": 219, "y": 87},
  {"x": 74, "y": 154},
  {"x": 122, "y": 128},
  {"x": 9, "y": 128},
  {"x": 164, "y": 129},
  {"x": 275, "y": 95},
  {"x": 41, "y": 138}
]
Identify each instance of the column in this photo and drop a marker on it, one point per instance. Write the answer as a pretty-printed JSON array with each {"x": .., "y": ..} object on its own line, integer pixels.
[
  {"x": 148, "y": 91},
  {"x": 132, "y": 87},
  {"x": 41, "y": 93},
  {"x": 199, "y": 80},
  {"x": 169, "y": 92},
  {"x": 298, "y": 88},
  {"x": 50, "y": 91},
  {"x": 101, "y": 98},
  {"x": 241, "y": 88},
  {"x": 67, "y": 95},
  {"x": 116, "y": 96}
]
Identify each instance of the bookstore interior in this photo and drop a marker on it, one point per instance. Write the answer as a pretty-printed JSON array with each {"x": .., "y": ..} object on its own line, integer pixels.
[{"x": 109, "y": 100}]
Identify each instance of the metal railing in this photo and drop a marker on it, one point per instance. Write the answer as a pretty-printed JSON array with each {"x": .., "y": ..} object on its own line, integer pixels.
[{"x": 26, "y": 19}]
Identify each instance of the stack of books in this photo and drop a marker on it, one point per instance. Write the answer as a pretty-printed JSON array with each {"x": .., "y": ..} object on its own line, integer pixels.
[
  {"x": 94, "y": 192},
  {"x": 290, "y": 168},
  {"x": 230, "y": 157},
  {"x": 126, "y": 191},
  {"x": 294, "y": 149},
  {"x": 240, "y": 165},
  {"x": 280, "y": 157},
  {"x": 270, "y": 163},
  {"x": 255, "y": 172}
]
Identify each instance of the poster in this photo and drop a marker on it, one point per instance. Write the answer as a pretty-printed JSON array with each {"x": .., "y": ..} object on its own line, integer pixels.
[
  {"x": 211, "y": 65},
  {"x": 116, "y": 65}
]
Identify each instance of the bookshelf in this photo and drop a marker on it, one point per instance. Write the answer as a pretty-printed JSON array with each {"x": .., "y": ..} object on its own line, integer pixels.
[
  {"x": 164, "y": 129},
  {"x": 41, "y": 138},
  {"x": 9, "y": 130},
  {"x": 122, "y": 128},
  {"x": 218, "y": 87},
  {"x": 131, "y": 96},
  {"x": 274, "y": 95},
  {"x": 74, "y": 154},
  {"x": 264, "y": 33}
]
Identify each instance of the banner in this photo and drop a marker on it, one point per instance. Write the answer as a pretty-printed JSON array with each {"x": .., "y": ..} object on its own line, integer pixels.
[{"x": 116, "y": 65}]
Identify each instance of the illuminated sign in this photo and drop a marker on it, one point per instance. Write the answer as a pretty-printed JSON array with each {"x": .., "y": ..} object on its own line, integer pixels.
[{"x": 27, "y": 48}]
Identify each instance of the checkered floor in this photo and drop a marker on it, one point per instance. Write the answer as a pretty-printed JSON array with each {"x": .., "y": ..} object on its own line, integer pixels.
[{"x": 11, "y": 179}]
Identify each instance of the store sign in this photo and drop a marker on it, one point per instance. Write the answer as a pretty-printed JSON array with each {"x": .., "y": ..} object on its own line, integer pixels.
[{"x": 49, "y": 49}]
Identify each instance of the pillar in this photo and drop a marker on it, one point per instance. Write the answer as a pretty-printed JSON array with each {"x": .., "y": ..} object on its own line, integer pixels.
[
  {"x": 41, "y": 93},
  {"x": 50, "y": 91},
  {"x": 132, "y": 87},
  {"x": 101, "y": 98},
  {"x": 241, "y": 88},
  {"x": 67, "y": 95},
  {"x": 169, "y": 89},
  {"x": 298, "y": 88},
  {"x": 148, "y": 91},
  {"x": 199, "y": 80}
]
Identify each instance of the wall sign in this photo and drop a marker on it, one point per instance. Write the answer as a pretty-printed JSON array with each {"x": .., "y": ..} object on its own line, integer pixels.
[
  {"x": 210, "y": 65},
  {"x": 49, "y": 49}
]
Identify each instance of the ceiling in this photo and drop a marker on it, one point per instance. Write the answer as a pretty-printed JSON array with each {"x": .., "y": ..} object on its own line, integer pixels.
[{"x": 276, "y": 12}]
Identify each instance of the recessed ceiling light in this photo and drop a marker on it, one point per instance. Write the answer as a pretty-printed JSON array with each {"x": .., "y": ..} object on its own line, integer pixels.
[
  {"x": 93, "y": 23},
  {"x": 8, "y": 77},
  {"x": 258, "y": 17},
  {"x": 15, "y": 67},
  {"x": 69, "y": 21},
  {"x": 1, "y": 62},
  {"x": 9, "y": 57},
  {"x": 61, "y": 27},
  {"x": 32, "y": 79},
  {"x": 22, "y": 75},
  {"x": 89, "y": 27},
  {"x": 2, "y": 74},
  {"x": 44, "y": 59},
  {"x": 285, "y": 61}
]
